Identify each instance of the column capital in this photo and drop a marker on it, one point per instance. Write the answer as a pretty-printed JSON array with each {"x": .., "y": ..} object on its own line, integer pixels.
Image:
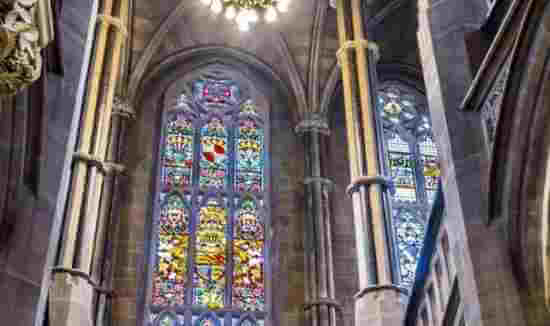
[
  {"x": 104, "y": 167},
  {"x": 385, "y": 181},
  {"x": 324, "y": 181},
  {"x": 372, "y": 48},
  {"x": 123, "y": 107},
  {"x": 323, "y": 301},
  {"x": 313, "y": 122}
]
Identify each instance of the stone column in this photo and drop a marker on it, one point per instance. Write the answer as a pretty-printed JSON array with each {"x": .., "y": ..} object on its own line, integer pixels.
[
  {"x": 75, "y": 287},
  {"x": 321, "y": 305},
  {"x": 379, "y": 300},
  {"x": 104, "y": 255}
]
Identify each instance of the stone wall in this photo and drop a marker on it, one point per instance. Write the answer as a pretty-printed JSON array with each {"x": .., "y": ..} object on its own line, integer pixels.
[{"x": 478, "y": 249}]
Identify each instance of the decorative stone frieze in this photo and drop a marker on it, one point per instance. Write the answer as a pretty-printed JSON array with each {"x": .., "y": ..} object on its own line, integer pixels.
[
  {"x": 491, "y": 106},
  {"x": 25, "y": 28}
]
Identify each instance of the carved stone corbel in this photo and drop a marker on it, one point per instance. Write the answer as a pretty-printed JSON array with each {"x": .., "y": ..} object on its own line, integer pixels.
[{"x": 25, "y": 28}]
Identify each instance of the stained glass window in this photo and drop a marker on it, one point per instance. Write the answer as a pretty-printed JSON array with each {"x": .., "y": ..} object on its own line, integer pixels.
[
  {"x": 169, "y": 277},
  {"x": 249, "y": 165},
  {"x": 178, "y": 152},
  {"x": 248, "y": 244},
  {"x": 210, "y": 248},
  {"x": 209, "y": 273},
  {"x": 213, "y": 164},
  {"x": 413, "y": 164}
]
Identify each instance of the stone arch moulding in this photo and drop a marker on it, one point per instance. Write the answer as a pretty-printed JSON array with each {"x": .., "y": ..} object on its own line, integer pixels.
[
  {"x": 407, "y": 74},
  {"x": 179, "y": 63},
  {"x": 520, "y": 174},
  {"x": 281, "y": 46}
]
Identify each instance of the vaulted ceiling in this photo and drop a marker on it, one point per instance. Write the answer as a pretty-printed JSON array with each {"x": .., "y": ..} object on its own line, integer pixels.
[{"x": 300, "y": 47}]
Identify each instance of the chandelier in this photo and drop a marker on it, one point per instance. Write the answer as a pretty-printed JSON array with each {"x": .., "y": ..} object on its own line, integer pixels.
[{"x": 246, "y": 12}]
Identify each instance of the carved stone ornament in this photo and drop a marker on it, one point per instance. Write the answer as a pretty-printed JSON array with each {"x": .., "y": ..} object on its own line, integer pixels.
[
  {"x": 314, "y": 122},
  {"x": 122, "y": 106},
  {"x": 20, "y": 43}
]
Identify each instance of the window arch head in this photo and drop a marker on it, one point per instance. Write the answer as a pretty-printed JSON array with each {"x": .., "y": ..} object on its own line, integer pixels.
[
  {"x": 209, "y": 256},
  {"x": 412, "y": 160}
]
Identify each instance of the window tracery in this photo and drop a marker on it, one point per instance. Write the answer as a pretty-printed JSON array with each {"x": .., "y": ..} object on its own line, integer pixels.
[
  {"x": 411, "y": 159},
  {"x": 210, "y": 243}
]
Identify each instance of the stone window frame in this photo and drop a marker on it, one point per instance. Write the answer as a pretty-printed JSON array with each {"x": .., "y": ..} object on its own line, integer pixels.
[
  {"x": 190, "y": 315},
  {"x": 422, "y": 206}
]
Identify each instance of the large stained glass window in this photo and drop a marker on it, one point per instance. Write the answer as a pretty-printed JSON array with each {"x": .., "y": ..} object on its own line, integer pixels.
[
  {"x": 413, "y": 163},
  {"x": 209, "y": 258}
]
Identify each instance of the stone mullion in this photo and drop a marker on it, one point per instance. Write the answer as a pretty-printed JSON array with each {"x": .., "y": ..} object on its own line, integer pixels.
[
  {"x": 100, "y": 146},
  {"x": 74, "y": 289},
  {"x": 367, "y": 96},
  {"x": 104, "y": 259},
  {"x": 80, "y": 168},
  {"x": 379, "y": 301},
  {"x": 320, "y": 305},
  {"x": 366, "y": 274},
  {"x": 314, "y": 234},
  {"x": 310, "y": 316},
  {"x": 320, "y": 229}
]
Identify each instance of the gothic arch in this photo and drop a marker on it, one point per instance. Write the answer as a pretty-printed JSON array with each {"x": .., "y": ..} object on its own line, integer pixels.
[
  {"x": 184, "y": 61},
  {"x": 519, "y": 173}
]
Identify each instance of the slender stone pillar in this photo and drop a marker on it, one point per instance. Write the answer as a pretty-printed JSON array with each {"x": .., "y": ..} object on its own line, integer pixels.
[
  {"x": 104, "y": 256},
  {"x": 75, "y": 286},
  {"x": 321, "y": 305},
  {"x": 379, "y": 300}
]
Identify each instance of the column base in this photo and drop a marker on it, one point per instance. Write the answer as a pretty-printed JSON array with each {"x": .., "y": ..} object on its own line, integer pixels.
[
  {"x": 383, "y": 305},
  {"x": 70, "y": 301}
]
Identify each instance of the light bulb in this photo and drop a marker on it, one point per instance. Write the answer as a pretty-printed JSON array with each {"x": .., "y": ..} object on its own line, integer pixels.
[
  {"x": 271, "y": 15},
  {"x": 206, "y": 2},
  {"x": 217, "y": 6},
  {"x": 243, "y": 26},
  {"x": 241, "y": 19},
  {"x": 230, "y": 12},
  {"x": 282, "y": 5},
  {"x": 252, "y": 15}
]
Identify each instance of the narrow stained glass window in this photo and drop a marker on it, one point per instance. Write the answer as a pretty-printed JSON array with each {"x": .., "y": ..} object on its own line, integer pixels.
[
  {"x": 430, "y": 167},
  {"x": 248, "y": 244},
  {"x": 209, "y": 276},
  {"x": 402, "y": 168},
  {"x": 178, "y": 152},
  {"x": 213, "y": 166},
  {"x": 412, "y": 161},
  {"x": 249, "y": 165},
  {"x": 169, "y": 277},
  {"x": 210, "y": 250}
]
